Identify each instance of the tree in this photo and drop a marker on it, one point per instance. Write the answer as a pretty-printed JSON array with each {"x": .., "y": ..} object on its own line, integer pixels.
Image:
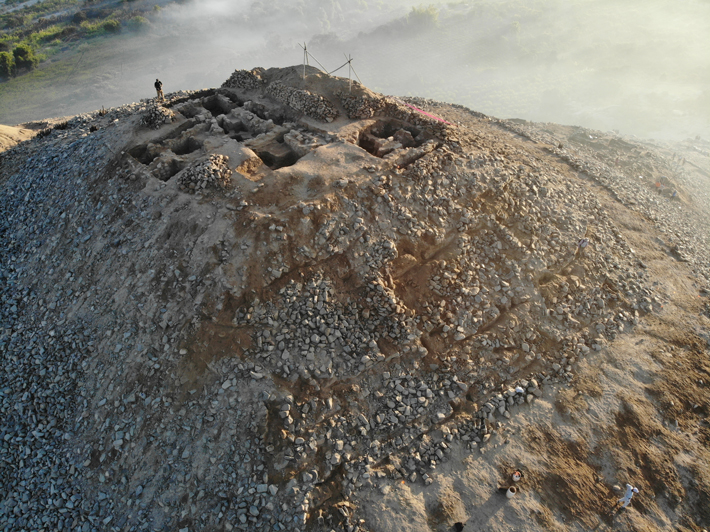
[
  {"x": 25, "y": 57},
  {"x": 7, "y": 65}
]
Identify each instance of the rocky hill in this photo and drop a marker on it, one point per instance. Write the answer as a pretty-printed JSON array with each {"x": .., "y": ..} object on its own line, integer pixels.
[{"x": 294, "y": 304}]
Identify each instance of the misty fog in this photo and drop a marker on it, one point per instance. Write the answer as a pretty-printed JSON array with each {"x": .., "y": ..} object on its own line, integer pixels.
[{"x": 639, "y": 66}]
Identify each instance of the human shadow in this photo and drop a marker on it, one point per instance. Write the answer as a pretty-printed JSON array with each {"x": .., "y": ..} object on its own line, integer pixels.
[
  {"x": 482, "y": 513},
  {"x": 615, "y": 511}
]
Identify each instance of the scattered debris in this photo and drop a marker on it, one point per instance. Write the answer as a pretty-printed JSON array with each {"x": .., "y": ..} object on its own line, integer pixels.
[{"x": 265, "y": 310}]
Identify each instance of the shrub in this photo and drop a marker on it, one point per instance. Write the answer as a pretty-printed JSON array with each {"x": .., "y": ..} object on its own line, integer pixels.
[
  {"x": 68, "y": 32},
  {"x": 423, "y": 17},
  {"x": 138, "y": 23},
  {"x": 78, "y": 17},
  {"x": 25, "y": 57},
  {"x": 112, "y": 26},
  {"x": 90, "y": 28},
  {"x": 7, "y": 65},
  {"x": 46, "y": 35},
  {"x": 12, "y": 21}
]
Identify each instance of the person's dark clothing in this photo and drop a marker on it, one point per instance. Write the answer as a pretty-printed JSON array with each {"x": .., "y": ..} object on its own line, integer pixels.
[{"x": 159, "y": 88}]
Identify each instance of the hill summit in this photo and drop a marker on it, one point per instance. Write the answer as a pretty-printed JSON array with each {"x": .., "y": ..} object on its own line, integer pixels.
[{"x": 291, "y": 303}]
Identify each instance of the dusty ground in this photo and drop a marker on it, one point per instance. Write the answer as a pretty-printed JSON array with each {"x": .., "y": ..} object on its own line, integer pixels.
[
  {"x": 9, "y": 136},
  {"x": 635, "y": 412},
  {"x": 296, "y": 348}
]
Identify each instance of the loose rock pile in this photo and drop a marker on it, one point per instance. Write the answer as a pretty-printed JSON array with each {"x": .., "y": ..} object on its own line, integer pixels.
[
  {"x": 301, "y": 100},
  {"x": 212, "y": 173},
  {"x": 156, "y": 116},
  {"x": 358, "y": 107},
  {"x": 684, "y": 239},
  {"x": 173, "y": 360},
  {"x": 43, "y": 351},
  {"x": 313, "y": 105},
  {"x": 245, "y": 79}
]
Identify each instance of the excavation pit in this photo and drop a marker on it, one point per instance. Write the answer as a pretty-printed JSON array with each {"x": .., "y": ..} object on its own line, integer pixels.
[
  {"x": 385, "y": 137},
  {"x": 184, "y": 146},
  {"x": 142, "y": 154},
  {"x": 167, "y": 166},
  {"x": 277, "y": 155},
  {"x": 276, "y": 115},
  {"x": 218, "y": 105}
]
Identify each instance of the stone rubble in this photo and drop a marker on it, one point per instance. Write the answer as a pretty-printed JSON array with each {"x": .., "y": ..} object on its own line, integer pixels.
[
  {"x": 245, "y": 79},
  {"x": 156, "y": 115},
  {"x": 360, "y": 107},
  {"x": 301, "y": 100},
  {"x": 313, "y": 105},
  {"x": 228, "y": 359},
  {"x": 212, "y": 173}
]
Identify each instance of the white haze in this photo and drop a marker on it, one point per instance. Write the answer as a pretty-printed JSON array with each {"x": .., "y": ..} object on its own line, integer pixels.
[{"x": 639, "y": 66}]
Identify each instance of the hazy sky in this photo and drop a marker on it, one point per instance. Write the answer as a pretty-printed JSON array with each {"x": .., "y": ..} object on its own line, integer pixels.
[{"x": 640, "y": 66}]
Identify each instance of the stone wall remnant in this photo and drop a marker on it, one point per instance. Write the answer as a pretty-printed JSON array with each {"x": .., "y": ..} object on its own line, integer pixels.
[{"x": 311, "y": 104}]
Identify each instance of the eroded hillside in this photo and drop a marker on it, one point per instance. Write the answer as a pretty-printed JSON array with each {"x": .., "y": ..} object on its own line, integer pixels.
[{"x": 285, "y": 304}]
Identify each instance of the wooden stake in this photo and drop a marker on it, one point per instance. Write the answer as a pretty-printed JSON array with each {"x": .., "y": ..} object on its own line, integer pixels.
[{"x": 350, "y": 79}]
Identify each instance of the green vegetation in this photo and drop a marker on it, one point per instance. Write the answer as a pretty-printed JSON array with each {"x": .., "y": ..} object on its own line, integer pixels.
[
  {"x": 423, "y": 17},
  {"x": 57, "y": 83},
  {"x": 7, "y": 65},
  {"x": 27, "y": 14},
  {"x": 112, "y": 25},
  {"x": 36, "y": 32},
  {"x": 138, "y": 23},
  {"x": 25, "y": 57}
]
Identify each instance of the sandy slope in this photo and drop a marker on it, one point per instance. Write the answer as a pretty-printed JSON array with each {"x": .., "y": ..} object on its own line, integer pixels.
[
  {"x": 636, "y": 412},
  {"x": 9, "y": 136},
  {"x": 616, "y": 423},
  {"x": 190, "y": 362},
  {"x": 12, "y": 135}
]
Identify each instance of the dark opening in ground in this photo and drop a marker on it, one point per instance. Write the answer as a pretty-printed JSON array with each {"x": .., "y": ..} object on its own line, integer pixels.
[
  {"x": 277, "y": 115},
  {"x": 146, "y": 153},
  {"x": 194, "y": 96},
  {"x": 218, "y": 105},
  {"x": 142, "y": 154},
  {"x": 277, "y": 155},
  {"x": 388, "y": 135},
  {"x": 189, "y": 109},
  {"x": 238, "y": 102},
  {"x": 172, "y": 168},
  {"x": 184, "y": 146},
  {"x": 241, "y": 136}
]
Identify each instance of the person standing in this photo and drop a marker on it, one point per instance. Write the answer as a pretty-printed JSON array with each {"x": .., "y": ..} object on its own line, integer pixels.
[{"x": 159, "y": 88}]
